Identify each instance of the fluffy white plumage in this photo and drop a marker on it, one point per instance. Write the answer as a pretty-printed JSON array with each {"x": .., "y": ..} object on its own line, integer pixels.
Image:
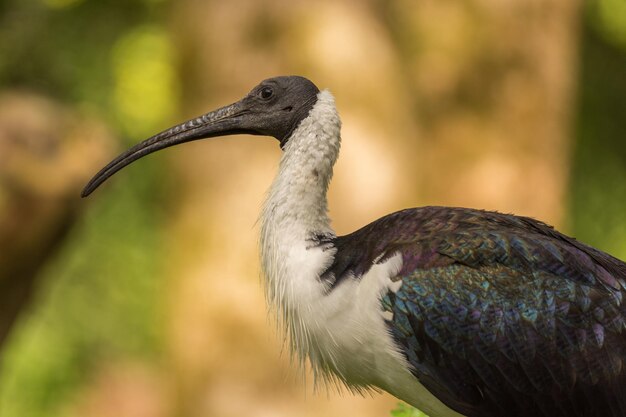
[{"x": 341, "y": 332}]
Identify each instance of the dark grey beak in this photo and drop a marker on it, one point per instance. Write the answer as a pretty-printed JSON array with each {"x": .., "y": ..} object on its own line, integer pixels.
[{"x": 227, "y": 120}]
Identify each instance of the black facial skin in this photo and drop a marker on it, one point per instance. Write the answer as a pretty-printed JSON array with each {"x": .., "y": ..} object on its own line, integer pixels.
[
  {"x": 278, "y": 105},
  {"x": 275, "y": 108}
]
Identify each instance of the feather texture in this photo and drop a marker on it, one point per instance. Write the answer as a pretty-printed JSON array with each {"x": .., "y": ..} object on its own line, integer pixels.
[{"x": 498, "y": 314}]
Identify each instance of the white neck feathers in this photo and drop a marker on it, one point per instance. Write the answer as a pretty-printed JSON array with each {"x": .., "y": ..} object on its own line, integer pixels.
[
  {"x": 294, "y": 212},
  {"x": 297, "y": 196}
]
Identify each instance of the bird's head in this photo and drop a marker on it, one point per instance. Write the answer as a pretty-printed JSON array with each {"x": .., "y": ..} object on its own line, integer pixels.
[{"x": 275, "y": 107}]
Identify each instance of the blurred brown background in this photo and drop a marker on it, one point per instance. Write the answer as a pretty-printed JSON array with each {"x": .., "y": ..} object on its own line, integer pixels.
[{"x": 145, "y": 300}]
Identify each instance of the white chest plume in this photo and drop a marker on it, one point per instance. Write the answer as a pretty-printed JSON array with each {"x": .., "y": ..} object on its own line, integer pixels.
[
  {"x": 341, "y": 332},
  {"x": 293, "y": 222}
]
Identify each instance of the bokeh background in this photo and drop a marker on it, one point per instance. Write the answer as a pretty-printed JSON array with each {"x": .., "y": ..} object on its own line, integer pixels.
[{"x": 144, "y": 300}]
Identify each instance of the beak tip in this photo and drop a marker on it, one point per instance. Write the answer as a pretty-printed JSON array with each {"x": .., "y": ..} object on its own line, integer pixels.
[{"x": 86, "y": 191}]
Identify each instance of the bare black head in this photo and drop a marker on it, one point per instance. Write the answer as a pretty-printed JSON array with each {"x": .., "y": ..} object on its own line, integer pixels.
[{"x": 275, "y": 108}]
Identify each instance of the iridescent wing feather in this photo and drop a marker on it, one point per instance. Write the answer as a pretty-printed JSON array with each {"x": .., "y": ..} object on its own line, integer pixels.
[{"x": 499, "y": 315}]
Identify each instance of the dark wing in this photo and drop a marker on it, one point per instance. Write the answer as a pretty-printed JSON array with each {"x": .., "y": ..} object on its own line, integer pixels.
[{"x": 500, "y": 315}]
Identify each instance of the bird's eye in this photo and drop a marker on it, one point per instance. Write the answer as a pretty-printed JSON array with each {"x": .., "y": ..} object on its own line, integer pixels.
[{"x": 266, "y": 93}]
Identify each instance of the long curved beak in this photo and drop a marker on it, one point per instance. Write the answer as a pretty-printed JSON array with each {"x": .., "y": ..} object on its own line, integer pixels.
[{"x": 228, "y": 120}]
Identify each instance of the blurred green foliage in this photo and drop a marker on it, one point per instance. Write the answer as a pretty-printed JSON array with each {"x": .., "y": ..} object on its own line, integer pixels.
[
  {"x": 143, "y": 71},
  {"x": 101, "y": 294},
  {"x": 608, "y": 18},
  {"x": 100, "y": 297},
  {"x": 598, "y": 178},
  {"x": 65, "y": 50},
  {"x": 403, "y": 410}
]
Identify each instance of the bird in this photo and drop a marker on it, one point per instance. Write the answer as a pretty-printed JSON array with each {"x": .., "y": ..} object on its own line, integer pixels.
[{"x": 456, "y": 311}]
